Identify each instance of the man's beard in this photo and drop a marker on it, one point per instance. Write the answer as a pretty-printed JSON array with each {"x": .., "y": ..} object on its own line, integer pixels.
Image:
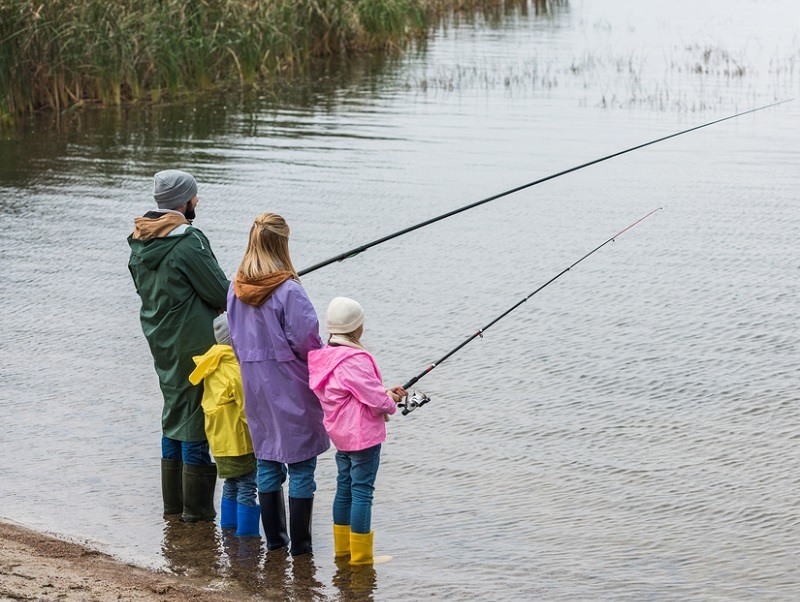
[{"x": 189, "y": 213}]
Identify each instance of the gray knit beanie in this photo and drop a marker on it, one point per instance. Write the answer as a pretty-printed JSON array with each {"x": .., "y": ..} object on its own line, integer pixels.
[
  {"x": 173, "y": 188},
  {"x": 221, "y": 332}
]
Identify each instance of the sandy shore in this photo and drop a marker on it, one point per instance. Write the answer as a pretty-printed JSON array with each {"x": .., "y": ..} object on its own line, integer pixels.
[{"x": 37, "y": 567}]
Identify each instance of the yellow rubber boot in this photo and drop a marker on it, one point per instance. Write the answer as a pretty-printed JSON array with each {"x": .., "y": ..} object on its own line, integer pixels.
[
  {"x": 341, "y": 540},
  {"x": 361, "y": 549}
]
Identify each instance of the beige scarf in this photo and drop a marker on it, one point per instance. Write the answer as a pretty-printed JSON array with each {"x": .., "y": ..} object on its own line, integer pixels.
[{"x": 339, "y": 339}]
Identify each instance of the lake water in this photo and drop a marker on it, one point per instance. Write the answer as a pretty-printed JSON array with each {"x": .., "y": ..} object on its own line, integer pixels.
[{"x": 631, "y": 432}]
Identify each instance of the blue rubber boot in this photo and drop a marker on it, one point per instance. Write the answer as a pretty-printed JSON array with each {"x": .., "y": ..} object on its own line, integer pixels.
[
  {"x": 249, "y": 518},
  {"x": 228, "y": 514}
]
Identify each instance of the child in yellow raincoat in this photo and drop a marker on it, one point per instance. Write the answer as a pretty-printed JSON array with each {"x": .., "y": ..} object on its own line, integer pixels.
[{"x": 227, "y": 432}]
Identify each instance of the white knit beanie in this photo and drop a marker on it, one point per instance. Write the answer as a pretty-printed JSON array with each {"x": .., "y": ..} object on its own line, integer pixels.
[{"x": 344, "y": 315}]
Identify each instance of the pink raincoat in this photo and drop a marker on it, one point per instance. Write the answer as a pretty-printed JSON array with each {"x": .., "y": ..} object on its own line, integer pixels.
[{"x": 348, "y": 384}]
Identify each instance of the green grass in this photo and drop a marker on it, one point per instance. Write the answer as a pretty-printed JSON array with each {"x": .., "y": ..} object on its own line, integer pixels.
[{"x": 63, "y": 54}]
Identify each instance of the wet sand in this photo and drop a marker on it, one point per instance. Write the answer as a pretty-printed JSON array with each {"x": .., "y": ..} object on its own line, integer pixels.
[{"x": 34, "y": 566}]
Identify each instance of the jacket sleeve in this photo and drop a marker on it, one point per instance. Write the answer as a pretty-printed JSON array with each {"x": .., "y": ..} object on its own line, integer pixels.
[
  {"x": 300, "y": 324},
  {"x": 357, "y": 375},
  {"x": 202, "y": 270}
]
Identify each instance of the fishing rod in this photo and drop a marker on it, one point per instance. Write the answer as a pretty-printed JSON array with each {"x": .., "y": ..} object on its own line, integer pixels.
[
  {"x": 418, "y": 399},
  {"x": 362, "y": 248}
]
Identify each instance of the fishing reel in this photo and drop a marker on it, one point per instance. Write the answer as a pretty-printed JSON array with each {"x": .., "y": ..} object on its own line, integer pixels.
[{"x": 409, "y": 403}]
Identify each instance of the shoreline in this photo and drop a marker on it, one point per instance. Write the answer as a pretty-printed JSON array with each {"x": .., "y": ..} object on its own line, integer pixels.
[{"x": 35, "y": 566}]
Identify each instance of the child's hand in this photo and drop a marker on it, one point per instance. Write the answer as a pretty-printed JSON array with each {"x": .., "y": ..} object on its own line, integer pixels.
[{"x": 396, "y": 393}]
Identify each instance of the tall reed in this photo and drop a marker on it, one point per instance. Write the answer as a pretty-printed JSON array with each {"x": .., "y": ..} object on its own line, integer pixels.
[{"x": 63, "y": 53}]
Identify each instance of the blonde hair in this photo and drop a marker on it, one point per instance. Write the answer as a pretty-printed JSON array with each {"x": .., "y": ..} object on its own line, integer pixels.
[{"x": 267, "y": 248}]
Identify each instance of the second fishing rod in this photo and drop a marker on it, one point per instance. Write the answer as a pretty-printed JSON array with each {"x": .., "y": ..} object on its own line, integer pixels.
[
  {"x": 388, "y": 237},
  {"x": 417, "y": 399}
]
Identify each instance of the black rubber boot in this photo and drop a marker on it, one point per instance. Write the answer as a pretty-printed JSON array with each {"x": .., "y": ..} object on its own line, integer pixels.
[
  {"x": 300, "y": 511},
  {"x": 198, "y": 492},
  {"x": 172, "y": 485},
  {"x": 273, "y": 517}
]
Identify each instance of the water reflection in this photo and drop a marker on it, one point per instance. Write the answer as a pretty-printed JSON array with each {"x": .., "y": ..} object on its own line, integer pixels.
[
  {"x": 547, "y": 7},
  {"x": 113, "y": 142},
  {"x": 192, "y": 549},
  {"x": 244, "y": 555},
  {"x": 242, "y": 564},
  {"x": 304, "y": 584},
  {"x": 354, "y": 582},
  {"x": 499, "y": 15}
]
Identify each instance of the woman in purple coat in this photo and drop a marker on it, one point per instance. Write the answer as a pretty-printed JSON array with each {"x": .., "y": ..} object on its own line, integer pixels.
[{"x": 273, "y": 327}]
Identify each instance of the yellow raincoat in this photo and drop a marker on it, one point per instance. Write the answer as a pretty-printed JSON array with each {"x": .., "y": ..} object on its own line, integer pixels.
[{"x": 223, "y": 402}]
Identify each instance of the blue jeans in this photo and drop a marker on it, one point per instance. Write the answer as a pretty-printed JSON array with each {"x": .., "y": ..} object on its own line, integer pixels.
[
  {"x": 191, "y": 452},
  {"x": 355, "y": 485},
  {"x": 241, "y": 489},
  {"x": 272, "y": 475}
]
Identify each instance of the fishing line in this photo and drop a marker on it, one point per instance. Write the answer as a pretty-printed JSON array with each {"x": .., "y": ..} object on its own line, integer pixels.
[
  {"x": 362, "y": 248},
  {"x": 417, "y": 398}
]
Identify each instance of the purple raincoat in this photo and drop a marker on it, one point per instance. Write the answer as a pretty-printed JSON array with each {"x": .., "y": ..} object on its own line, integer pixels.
[{"x": 272, "y": 342}]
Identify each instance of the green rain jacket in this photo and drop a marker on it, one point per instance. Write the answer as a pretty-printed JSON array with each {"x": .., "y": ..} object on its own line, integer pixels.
[{"x": 182, "y": 287}]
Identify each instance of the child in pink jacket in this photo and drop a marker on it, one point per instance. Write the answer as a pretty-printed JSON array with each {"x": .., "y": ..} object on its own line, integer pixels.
[{"x": 355, "y": 405}]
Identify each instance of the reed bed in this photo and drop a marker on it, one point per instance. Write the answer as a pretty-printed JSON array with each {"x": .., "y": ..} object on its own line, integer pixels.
[{"x": 62, "y": 54}]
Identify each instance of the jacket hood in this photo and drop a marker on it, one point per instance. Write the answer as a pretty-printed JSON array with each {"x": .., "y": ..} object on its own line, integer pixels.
[
  {"x": 150, "y": 240},
  {"x": 322, "y": 362},
  {"x": 152, "y": 252},
  {"x": 209, "y": 361},
  {"x": 157, "y": 225},
  {"x": 255, "y": 291}
]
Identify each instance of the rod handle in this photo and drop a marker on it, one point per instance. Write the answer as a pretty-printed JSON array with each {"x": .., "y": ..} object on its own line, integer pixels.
[{"x": 411, "y": 383}]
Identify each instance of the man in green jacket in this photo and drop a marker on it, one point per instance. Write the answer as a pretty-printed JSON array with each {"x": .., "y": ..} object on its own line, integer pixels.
[{"x": 182, "y": 289}]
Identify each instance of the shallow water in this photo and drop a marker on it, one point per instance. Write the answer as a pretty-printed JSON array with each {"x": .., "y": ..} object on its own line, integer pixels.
[{"x": 630, "y": 432}]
